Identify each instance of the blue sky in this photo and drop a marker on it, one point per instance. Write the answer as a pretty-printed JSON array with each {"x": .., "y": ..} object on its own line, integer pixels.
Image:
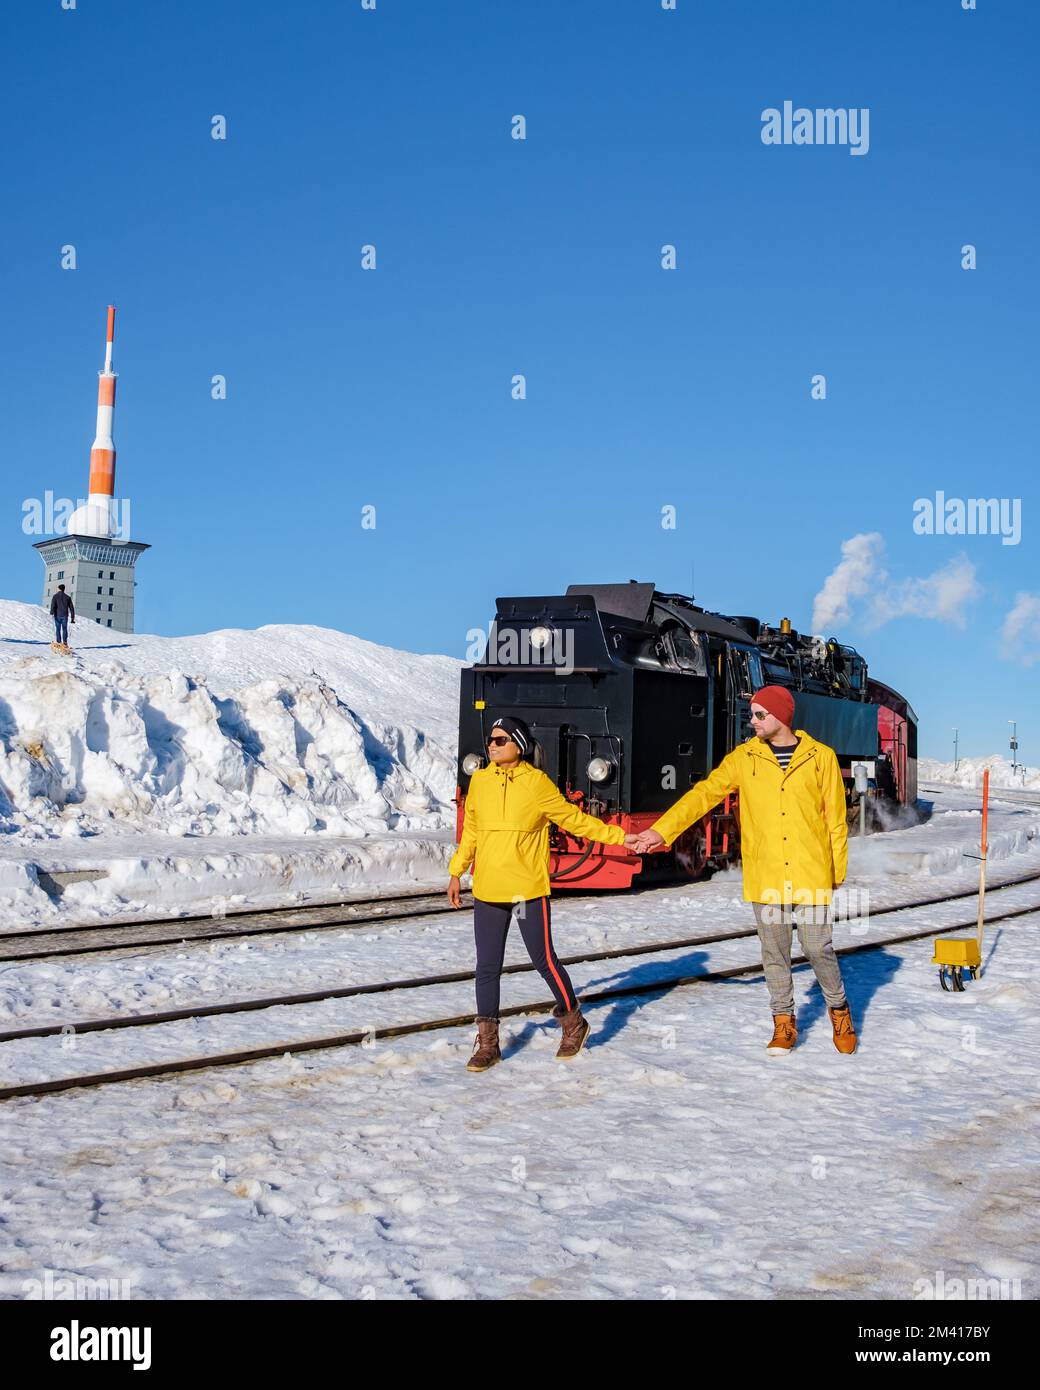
[{"x": 645, "y": 387}]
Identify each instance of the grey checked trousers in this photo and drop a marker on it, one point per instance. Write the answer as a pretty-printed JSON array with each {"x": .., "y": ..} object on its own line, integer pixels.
[{"x": 776, "y": 923}]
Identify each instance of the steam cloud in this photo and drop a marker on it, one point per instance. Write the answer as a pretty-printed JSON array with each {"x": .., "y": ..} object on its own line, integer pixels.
[
  {"x": 1020, "y": 634},
  {"x": 851, "y": 579},
  {"x": 944, "y": 595}
]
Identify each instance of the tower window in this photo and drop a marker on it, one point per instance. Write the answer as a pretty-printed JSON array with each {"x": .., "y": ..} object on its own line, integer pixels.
[
  {"x": 99, "y": 590},
  {"x": 111, "y": 574},
  {"x": 99, "y": 608},
  {"x": 61, "y": 574},
  {"x": 111, "y": 592},
  {"x": 110, "y": 608},
  {"x": 110, "y": 622},
  {"x": 101, "y": 574}
]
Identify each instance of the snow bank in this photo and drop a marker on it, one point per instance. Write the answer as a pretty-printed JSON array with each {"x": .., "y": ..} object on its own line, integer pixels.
[
  {"x": 284, "y": 731},
  {"x": 969, "y": 772}
]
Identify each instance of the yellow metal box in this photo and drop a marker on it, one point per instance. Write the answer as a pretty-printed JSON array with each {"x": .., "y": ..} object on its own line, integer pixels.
[{"x": 957, "y": 950}]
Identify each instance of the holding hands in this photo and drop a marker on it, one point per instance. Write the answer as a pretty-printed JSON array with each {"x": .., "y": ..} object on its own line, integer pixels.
[{"x": 644, "y": 842}]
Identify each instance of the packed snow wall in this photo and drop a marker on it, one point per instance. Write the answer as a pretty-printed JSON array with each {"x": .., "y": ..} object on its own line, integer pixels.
[{"x": 90, "y": 744}]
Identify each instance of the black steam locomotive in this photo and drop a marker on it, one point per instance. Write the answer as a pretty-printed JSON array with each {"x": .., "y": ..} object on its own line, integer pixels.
[{"x": 634, "y": 695}]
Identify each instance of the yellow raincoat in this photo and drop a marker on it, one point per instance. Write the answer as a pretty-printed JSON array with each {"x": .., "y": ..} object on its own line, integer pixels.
[
  {"x": 505, "y": 830},
  {"x": 793, "y": 827}
]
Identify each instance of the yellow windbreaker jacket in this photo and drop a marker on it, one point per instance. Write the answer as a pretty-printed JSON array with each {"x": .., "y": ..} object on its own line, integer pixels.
[
  {"x": 793, "y": 826},
  {"x": 505, "y": 831}
]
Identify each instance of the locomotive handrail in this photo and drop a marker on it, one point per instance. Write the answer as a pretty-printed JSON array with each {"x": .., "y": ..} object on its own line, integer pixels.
[{"x": 543, "y": 670}]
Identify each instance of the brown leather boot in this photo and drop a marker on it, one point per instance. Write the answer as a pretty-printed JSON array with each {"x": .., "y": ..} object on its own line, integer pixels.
[
  {"x": 844, "y": 1033},
  {"x": 785, "y": 1034},
  {"x": 486, "y": 1051},
  {"x": 575, "y": 1030}
]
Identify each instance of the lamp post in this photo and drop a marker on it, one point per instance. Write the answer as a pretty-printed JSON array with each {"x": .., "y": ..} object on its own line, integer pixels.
[
  {"x": 1014, "y": 745},
  {"x": 955, "y": 750}
]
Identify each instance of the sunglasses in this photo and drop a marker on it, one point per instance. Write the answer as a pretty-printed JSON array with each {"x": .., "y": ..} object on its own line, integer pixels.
[
  {"x": 498, "y": 741},
  {"x": 759, "y": 714}
]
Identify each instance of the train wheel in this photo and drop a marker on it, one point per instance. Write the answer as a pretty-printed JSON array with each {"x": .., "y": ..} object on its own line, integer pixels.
[{"x": 690, "y": 851}]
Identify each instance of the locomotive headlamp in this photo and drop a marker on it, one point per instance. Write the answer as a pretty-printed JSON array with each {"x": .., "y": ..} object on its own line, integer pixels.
[
  {"x": 471, "y": 762},
  {"x": 600, "y": 769},
  {"x": 540, "y": 637}
]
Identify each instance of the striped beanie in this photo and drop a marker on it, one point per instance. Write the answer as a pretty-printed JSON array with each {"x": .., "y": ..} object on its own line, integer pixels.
[{"x": 517, "y": 731}]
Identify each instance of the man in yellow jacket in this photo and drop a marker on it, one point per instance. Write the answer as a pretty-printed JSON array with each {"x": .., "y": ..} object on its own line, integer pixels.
[{"x": 794, "y": 850}]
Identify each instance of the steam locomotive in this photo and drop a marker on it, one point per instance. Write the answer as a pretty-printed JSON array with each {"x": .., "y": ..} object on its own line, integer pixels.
[{"x": 635, "y": 695}]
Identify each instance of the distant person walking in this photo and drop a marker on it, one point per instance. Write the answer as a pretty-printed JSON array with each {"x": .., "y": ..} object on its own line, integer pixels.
[
  {"x": 62, "y": 609},
  {"x": 793, "y": 847},
  {"x": 505, "y": 835}
]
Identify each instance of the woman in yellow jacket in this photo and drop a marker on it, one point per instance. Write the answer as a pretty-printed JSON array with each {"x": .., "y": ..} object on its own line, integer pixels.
[{"x": 505, "y": 834}]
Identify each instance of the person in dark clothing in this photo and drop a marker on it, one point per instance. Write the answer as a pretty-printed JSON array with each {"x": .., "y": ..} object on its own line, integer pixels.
[{"x": 62, "y": 608}]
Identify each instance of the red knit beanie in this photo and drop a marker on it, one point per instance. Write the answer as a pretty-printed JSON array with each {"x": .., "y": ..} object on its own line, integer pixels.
[{"x": 778, "y": 701}]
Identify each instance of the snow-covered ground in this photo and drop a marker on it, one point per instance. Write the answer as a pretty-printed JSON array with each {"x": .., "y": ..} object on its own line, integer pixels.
[
  {"x": 672, "y": 1159},
  {"x": 149, "y": 875},
  {"x": 235, "y": 765}
]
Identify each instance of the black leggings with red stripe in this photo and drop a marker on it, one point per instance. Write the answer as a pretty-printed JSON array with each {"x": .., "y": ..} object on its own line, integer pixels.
[{"x": 491, "y": 927}]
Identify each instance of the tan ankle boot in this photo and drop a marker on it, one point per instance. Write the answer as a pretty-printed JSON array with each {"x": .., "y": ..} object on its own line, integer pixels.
[
  {"x": 486, "y": 1051},
  {"x": 844, "y": 1033},
  {"x": 785, "y": 1034}
]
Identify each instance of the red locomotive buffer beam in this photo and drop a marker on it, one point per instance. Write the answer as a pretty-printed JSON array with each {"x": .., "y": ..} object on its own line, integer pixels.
[{"x": 577, "y": 863}]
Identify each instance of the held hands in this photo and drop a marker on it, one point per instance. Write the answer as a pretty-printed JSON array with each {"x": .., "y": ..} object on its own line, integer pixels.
[{"x": 644, "y": 842}]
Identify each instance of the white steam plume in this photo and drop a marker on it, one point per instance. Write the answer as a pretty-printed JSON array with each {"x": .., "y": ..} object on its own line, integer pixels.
[
  {"x": 1020, "y": 633},
  {"x": 850, "y": 579}
]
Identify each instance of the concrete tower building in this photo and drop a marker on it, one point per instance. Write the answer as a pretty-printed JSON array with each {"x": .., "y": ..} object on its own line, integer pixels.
[{"x": 93, "y": 559}]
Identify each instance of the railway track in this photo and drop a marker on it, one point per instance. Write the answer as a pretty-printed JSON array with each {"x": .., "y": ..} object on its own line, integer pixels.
[
  {"x": 74, "y": 941},
  {"x": 41, "y": 1088},
  {"x": 172, "y": 931}
]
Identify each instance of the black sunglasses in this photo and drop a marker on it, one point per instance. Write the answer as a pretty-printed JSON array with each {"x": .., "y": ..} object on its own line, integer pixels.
[{"x": 499, "y": 740}]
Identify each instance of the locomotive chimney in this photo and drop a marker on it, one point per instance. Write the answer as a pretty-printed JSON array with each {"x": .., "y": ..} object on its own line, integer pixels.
[{"x": 785, "y": 624}]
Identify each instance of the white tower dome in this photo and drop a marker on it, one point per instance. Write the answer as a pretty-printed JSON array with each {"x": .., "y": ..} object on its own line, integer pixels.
[{"x": 91, "y": 518}]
